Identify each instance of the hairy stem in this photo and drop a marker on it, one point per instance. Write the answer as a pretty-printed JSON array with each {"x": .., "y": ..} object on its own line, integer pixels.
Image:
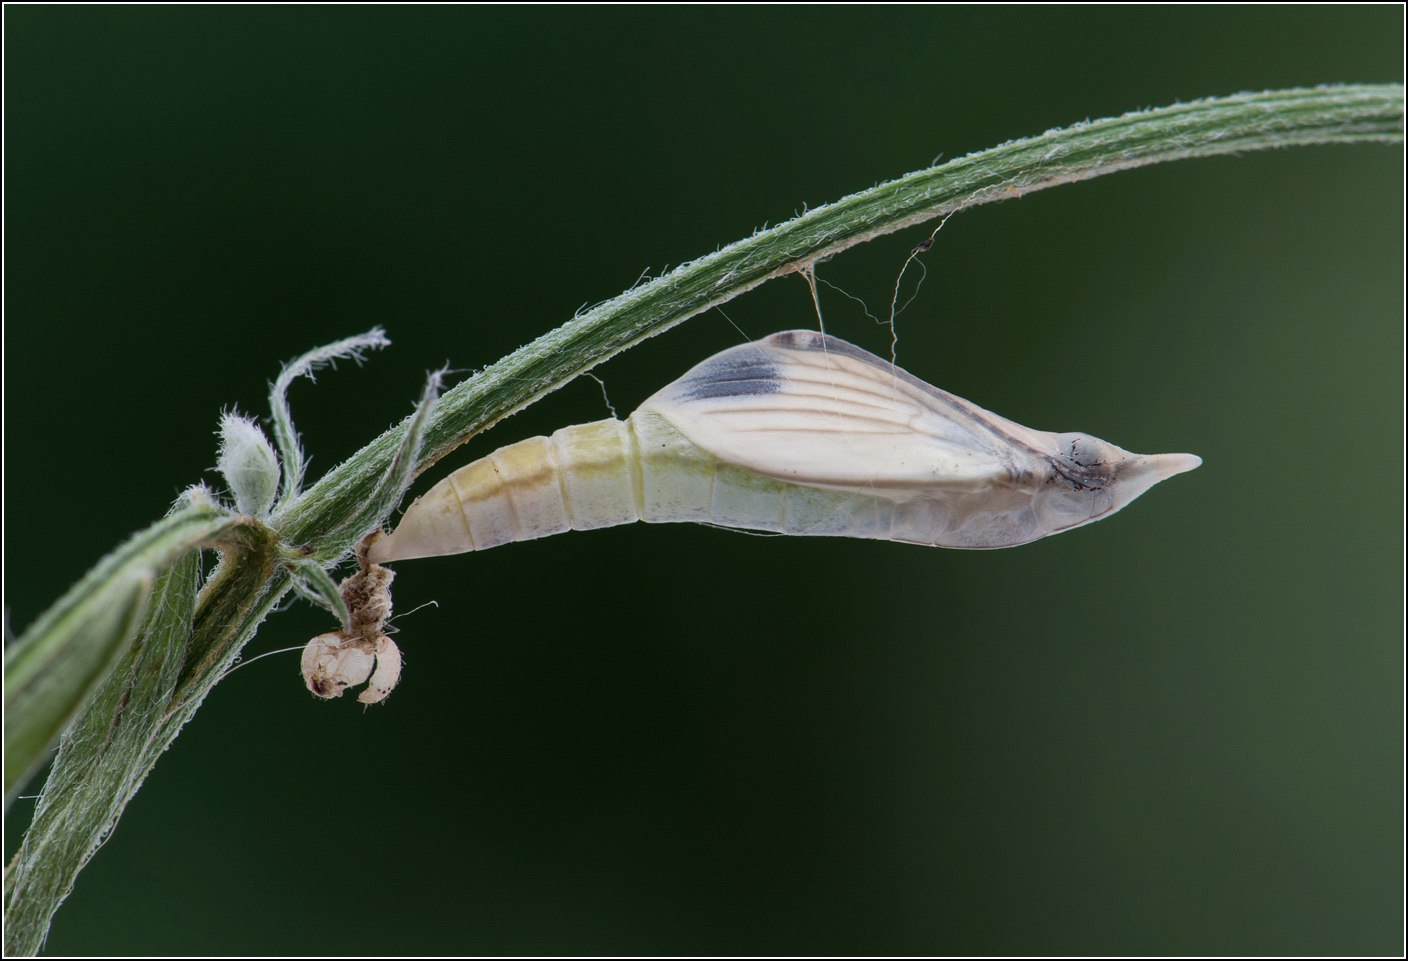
[{"x": 1205, "y": 128}]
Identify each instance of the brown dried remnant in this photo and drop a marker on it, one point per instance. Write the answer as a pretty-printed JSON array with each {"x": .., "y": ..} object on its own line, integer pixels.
[{"x": 338, "y": 660}]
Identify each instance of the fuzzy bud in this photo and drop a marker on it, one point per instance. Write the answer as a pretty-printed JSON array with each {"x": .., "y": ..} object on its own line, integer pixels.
[{"x": 248, "y": 463}]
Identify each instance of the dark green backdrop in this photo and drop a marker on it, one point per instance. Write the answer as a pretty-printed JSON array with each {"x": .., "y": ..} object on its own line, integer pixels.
[{"x": 1178, "y": 731}]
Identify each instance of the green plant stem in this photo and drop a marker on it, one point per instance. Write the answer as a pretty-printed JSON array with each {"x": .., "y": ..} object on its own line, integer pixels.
[
  {"x": 1205, "y": 128},
  {"x": 187, "y": 644}
]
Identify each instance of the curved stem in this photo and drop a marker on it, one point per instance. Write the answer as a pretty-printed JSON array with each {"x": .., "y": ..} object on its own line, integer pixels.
[{"x": 1204, "y": 128}]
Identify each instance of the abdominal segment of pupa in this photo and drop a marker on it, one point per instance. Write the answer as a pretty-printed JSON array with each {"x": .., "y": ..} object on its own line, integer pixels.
[
  {"x": 338, "y": 660},
  {"x": 798, "y": 433}
]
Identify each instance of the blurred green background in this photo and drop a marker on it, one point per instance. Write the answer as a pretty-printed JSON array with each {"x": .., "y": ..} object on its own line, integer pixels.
[{"x": 1178, "y": 731}]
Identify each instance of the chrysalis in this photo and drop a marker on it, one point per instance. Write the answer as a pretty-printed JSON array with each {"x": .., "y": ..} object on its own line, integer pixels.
[{"x": 798, "y": 433}]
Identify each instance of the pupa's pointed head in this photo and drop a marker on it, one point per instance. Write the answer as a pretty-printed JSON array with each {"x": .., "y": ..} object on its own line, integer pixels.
[{"x": 1091, "y": 478}]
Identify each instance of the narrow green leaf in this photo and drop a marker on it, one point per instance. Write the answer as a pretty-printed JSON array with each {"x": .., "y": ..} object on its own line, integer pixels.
[
  {"x": 290, "y": 448},
  {"x": 51, "y": 668},
  {"x": 102, "y": 760},
  {"x": 43, "y": 693},
  {"x": 400, "y": 473},
  {"x": 192, "y": 523},
  {"x": 315, "y": 584}
]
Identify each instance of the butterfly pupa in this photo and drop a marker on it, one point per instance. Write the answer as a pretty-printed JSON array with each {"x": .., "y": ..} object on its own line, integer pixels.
[{"x": 799, "y": 433}]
